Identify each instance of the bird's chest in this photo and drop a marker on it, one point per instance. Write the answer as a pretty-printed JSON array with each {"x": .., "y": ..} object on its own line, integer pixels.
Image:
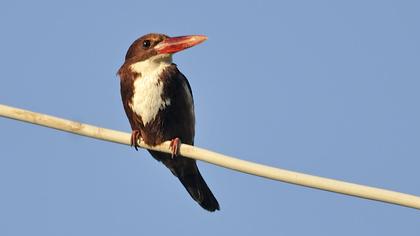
[{"x": 148, "y": 97}]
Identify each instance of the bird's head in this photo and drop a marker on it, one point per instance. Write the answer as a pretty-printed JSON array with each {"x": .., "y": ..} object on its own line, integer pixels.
[{"x": 160, "y": 45}]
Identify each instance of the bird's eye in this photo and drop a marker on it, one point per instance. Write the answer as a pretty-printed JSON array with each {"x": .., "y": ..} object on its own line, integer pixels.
[{"x": 146, "y": 43}]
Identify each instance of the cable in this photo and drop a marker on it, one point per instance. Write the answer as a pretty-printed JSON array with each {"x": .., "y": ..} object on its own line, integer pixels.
[{"x": 197, "y": 153}]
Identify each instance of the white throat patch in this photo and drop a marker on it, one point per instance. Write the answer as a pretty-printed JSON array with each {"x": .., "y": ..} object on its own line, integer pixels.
[{"x": 147, "y": 99}]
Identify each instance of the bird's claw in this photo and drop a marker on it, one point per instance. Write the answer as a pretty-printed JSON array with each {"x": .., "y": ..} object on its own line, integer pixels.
[
  {"x": 135, "y": 136},
  {"x": 174, "y": 146}
]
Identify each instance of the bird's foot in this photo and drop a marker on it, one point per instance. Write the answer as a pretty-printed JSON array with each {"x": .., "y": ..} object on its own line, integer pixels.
[
  {"x": 174, "y": 146},
  {"x": 135, "y": 136}
]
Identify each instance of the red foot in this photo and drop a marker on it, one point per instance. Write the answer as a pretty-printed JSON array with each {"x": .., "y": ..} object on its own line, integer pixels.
[
  {"x": 135, "y": 136},
  {"x": 174, "y": 146}
]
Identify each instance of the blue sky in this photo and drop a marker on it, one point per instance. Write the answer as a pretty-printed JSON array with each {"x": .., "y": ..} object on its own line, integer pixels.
[{"x": 323, "y": 87}]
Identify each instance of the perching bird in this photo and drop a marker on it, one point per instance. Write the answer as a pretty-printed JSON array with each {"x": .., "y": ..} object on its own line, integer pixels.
[{"x": 158, "y": 102}]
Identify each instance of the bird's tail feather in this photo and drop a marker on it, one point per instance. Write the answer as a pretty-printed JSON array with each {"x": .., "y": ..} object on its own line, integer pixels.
[
  {"x": 187, "y": 172},
  {"x": 199, "y": 191}
]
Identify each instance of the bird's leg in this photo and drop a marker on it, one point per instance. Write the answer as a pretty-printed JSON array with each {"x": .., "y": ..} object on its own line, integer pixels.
[
  {"x": 174, "y": 146},
  {"x": 135, "y": 136}
]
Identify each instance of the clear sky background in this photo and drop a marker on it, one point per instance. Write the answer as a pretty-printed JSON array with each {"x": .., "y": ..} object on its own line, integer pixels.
[{"x": 320, "y": 87}]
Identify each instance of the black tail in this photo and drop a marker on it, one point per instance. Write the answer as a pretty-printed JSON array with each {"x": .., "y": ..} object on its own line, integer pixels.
[
  {"x": 187, "y": 172},
  {"x": 199, "y": 191}
]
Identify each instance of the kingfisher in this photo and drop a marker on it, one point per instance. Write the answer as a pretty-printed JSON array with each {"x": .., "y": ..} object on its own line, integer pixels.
[{"x": 159, "y": 105}]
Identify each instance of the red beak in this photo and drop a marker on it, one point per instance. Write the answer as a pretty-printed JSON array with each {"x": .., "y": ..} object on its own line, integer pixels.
[{"x": 176, "y": 44}]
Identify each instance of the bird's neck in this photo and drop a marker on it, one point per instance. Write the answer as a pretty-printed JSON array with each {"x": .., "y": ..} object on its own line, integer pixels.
[{"x": 152, "y": 66}]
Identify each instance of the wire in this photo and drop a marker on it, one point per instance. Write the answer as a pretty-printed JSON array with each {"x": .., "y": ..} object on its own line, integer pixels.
[{"x": 197, "y": 153}]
